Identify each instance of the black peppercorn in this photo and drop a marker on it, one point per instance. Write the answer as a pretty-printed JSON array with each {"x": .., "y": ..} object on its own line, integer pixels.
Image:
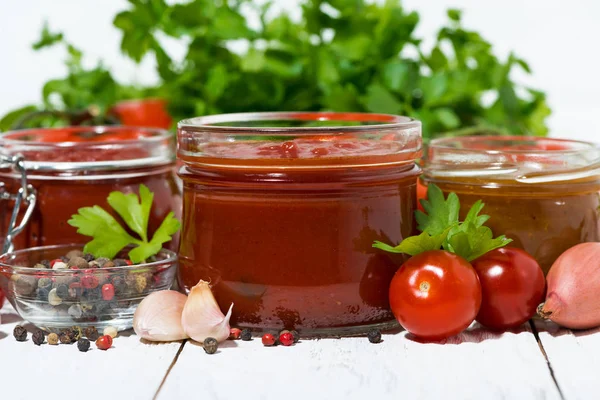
[
  {"x": 91, "y": 333},
  {"x": 374, "y": 336},
  {"x": 20, "y": 333},
  {"x": 119, "y": 262},
  {"x": 62, "y": 291},
  {"x": 38, "y": 337},
  {"x": 91, "y": 295},
  {"x": 66, "y": 336},
  {"x": 296, "y": 335},
  {"x": 119, "y": 285},
  {"x": 42, "y": 294},
  {"x": 83, "y": 345},
  {"x": 45, "y": 263},
  {"x": 88, "y": 257},
  {"x": 246, "y": 335},
  {"x": 210, "y": 345}
]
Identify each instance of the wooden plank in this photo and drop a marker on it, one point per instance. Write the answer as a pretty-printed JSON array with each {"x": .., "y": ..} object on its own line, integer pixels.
[
  {"x": 475, "y": 365},
  {"x": 574, "y": 357},
  {"x": 129, "y": 370}
]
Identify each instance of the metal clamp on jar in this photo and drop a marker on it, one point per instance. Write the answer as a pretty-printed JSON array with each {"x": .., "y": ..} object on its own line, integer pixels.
[{"x": 25, "y": 195}]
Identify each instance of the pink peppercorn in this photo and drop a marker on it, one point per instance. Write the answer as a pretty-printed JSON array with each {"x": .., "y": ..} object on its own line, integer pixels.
[
  {"x": 104, "y": 342},
  {"x": 268, "y": 339},
  {"x": 89, "y": 280},
  {"x": 286, "y": 339},
  {"x": 235, "y": 333},
  {"x": 108, "y": 291}
]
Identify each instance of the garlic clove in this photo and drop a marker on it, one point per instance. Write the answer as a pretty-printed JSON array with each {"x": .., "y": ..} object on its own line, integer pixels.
[
  {"x": 158, "y": 317},
  {"x": 202, "y": 317}
]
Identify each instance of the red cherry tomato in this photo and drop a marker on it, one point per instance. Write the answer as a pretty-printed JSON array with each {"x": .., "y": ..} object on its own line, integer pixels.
[
  {"x": 146, "y": 113},
  {"x": 435, "y": 295},
  {"x": 513, "y": 285},
  {"x": 421, "y": 193}
]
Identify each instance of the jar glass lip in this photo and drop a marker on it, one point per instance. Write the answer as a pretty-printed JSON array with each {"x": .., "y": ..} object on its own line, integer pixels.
[
  {"x": 512, "y": 145},
  {"x": 89, "y": 148},
  {"x": 83, "y": 136},
  {"x": 519, "y": 159},
  {"x": 300, "y": 122},
  {"x": 298, "y": 140}
]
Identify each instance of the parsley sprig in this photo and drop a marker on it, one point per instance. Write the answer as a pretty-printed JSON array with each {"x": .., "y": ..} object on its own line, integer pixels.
[
  {"x": 109, "y": 237},
  {"x": 440, "y": 228}
]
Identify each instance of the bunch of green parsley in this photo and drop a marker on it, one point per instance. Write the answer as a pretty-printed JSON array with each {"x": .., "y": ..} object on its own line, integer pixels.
[{"x": 341, "y": 55}]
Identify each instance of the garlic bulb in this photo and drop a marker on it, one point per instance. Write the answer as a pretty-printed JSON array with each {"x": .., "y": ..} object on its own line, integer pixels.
[
  {"x": 202, "y": 318},
  {"x": 158, "y": 316}
]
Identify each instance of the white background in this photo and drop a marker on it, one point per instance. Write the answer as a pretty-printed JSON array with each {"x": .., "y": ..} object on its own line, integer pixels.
[{"x": 560, "y": 39}]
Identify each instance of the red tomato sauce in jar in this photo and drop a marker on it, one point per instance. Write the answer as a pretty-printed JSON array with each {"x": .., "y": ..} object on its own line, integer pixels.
[
  {"x": 281, "y": 219},
  {"x": 77, "y": 167}
]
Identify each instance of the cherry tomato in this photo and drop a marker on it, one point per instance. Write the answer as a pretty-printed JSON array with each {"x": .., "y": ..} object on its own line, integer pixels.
[
  {"x": 421, "y": 193},
  {"x": 513, "y": 285},
  {"x": 435, "y": 295},
  {"x": 145, "y": 112}
]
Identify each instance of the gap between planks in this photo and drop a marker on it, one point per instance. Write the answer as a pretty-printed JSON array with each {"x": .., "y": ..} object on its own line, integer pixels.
[
  {"x": 164, "y": 379},
  {"x": 548, "y": 363}
]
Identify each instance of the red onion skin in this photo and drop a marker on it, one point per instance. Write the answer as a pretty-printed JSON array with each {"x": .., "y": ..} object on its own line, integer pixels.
[{"x": 573, "y": 296}]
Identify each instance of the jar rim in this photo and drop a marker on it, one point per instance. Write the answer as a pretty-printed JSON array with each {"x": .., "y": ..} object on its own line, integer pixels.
[
  {"x": 298, "y": 140},
  {"x": 554, "y": 145},
  {"x": 157, "y": 145},
  {"x": 372, "y": 121},
  {"x": 487, "y": 160}
]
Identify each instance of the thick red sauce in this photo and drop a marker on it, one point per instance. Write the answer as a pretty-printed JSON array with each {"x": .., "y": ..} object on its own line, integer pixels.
[
  {"x": 284, "y": 230},
  {"x": 61, "y": 194}
]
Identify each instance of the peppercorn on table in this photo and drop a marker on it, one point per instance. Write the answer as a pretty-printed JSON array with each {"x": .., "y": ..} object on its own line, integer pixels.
[{"x": 539, "y": 362}]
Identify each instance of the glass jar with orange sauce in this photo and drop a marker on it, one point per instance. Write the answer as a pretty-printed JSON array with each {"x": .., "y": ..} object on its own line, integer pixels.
[{"x": 542, "y": 193}]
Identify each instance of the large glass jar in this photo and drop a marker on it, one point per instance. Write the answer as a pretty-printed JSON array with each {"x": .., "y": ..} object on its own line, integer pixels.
[
  {"x": 76, "y": 167},
  {"x": 280, "y": 211},
  {"x": 542, "y": 193}
]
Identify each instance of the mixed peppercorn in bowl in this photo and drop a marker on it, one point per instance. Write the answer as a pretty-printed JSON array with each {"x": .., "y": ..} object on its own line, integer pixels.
[{"x": 58, "y": 287}]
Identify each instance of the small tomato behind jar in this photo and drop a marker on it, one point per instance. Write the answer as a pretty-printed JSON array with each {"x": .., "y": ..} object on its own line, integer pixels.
[
  {"x": 513, "y": 286},
  {"x": 143, "y": 112},
  {"x": 435, "y": 295},
  {"x": 421, "y": 193}
]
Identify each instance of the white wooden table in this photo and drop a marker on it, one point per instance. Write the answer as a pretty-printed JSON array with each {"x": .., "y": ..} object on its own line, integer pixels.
[{"x": 543, "y": 363}]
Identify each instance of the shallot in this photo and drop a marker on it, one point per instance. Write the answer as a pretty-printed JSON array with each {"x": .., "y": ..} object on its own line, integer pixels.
[{"x": 573, "y": 296}]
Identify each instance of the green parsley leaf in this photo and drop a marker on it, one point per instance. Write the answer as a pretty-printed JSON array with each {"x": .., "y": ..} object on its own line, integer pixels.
[
  {"x": 168, "y": 228},
  {"x": 441, "y": 228},
  {"x": 414, "y": 245},
  {"x": 109, "y": 237},
  {"x": 134, "y": 214},
  {"x": 472, "y": 241},
  {"x": 440, "y": 213}
]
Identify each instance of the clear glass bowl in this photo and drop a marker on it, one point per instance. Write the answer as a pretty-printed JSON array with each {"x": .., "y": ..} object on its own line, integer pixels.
[{"x": 81, "y": 301}]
